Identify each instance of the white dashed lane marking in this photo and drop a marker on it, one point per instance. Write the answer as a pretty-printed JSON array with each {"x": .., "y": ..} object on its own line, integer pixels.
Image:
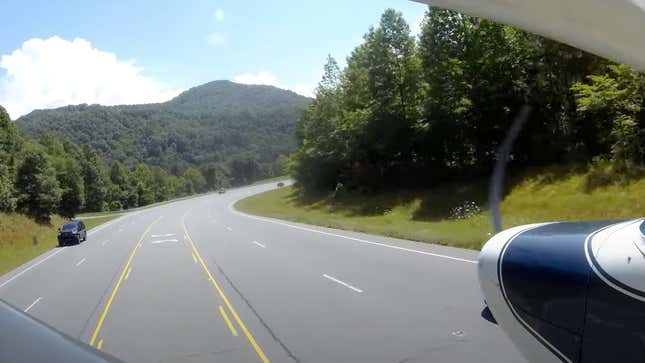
[
  {"x": 32, "y": 304},
  {"x": 259, "y": 244},
  {"x": 342, "y": 283}
]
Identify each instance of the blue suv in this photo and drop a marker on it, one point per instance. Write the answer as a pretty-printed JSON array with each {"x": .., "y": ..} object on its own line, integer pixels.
[{"x": 72, "y": 232}]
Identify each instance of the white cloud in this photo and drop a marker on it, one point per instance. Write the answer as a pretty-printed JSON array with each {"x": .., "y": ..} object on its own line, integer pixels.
[
  {"x": 54, "y": 72},
  {"x": 216, "y": 39},
  {"x": 219, "y": 15},
  {"x": 267, "y": 78}
]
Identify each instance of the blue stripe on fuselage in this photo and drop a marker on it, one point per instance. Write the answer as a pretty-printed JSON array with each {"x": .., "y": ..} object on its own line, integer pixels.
[{"x": 544, "y": 274}]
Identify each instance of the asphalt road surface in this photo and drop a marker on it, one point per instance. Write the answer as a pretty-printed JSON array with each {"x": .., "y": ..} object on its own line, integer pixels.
[{"x": 197, "y": 281}]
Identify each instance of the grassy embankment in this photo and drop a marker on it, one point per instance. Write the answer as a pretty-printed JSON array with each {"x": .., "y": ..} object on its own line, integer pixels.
[
  {"x": 423, "y": 215},
  {"x": 22, "y": 239}
]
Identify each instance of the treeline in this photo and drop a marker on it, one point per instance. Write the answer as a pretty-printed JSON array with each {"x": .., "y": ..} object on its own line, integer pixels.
[
  {"x": 409, "y": 110},
  {"x": 54, "y": 175}
]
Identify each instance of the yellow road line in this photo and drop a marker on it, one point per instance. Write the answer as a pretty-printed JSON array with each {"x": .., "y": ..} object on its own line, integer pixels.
[
  {"x": 128, "y": 273},
  {"x": 100, "y": 344},
  {"x": 227, "y": 320},
  {"x": 239, "y": 322},
  {"x": 99, "y": 324}
]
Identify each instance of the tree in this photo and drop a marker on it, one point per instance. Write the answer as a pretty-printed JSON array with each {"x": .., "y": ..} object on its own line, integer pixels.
[
  {"x": 360, "y": 126},
  {"x": 141, "y": 181},
  {"x": 10, "y": 145},
  {"x": 614, "y": 101},
  {"x": 65, "y": 160},
  {"x": 161, "y": 184},
  {"x": 244, "y": 168},
  {"x": 95, "y": 180},
  {"x": 194, "y": 181},
  {"x": 70, "y": 178},
  {"x": 37, "y": 187},
  {"x": 7, "y": 192},
  {"x": 216, "y": 175},
  {"x": 393, "y": 73},
  {"x": 318, "y": 162},
  {"x": 10, "y": 142}
]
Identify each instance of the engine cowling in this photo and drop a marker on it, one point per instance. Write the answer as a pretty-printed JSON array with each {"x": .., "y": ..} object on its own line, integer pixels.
[{"x": 569, "y": 292}]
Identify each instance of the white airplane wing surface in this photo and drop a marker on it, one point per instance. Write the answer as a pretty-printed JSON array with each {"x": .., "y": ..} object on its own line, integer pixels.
[{"x": 614, "y": 29}]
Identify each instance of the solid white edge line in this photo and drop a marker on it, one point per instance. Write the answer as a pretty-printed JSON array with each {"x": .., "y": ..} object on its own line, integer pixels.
[
  {"x": 80, "y": 262},
  {"x": 259, "y": 244},
  {"x": 231, "y": 209},
  {"x": 342, "y": 283},
  {"x": 32, "y": 304},
  {"x": 30, "y": 267}
]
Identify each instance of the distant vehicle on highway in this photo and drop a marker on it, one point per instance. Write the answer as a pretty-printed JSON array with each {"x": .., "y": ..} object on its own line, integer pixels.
[
  {"x": 280, "y": 184},
  {"x": 72, "y": 232},
  {"x": 221, "y": 191}
]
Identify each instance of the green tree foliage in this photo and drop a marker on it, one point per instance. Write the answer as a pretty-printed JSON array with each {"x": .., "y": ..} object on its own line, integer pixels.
[
  {"x": 10, "y": 145},
  {"x": 317, "y": 162},
  {"x": 216, "y": 175},
  {"x": 436, "y": 108},
  {"x": 95, "y": 180},
  {"x": 66, "y": 159},
  {"x": 245, "y": 168},
  {"x": 194, "y": 181},
  {"x": 142, "y": 182},
  {"x": 37, "y": 187},
  {"x": 614, "y": 101},
  {"x": 121, "y": 193}
]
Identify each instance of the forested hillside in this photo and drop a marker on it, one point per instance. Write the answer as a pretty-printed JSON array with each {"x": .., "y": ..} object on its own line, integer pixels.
[
  {"x": 430, "y": 109},
  {"x": 96, "y": 158},
  {"x": 247, "y": 129}
]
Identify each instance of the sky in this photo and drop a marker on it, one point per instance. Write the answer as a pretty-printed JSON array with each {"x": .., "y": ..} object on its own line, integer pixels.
[{"x": 54, "y": 52}]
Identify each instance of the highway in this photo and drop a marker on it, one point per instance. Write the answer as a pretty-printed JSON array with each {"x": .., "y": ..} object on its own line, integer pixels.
[{"x": 197, "y": 281}]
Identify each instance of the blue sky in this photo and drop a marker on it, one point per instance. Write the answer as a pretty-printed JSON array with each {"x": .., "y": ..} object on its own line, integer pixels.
[{"x": 173, "y": 45}]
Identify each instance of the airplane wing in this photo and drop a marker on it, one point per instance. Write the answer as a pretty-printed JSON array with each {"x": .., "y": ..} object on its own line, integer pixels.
[
  {"x": 25, "y": 339},
  {"x": 612, "y": 29}
]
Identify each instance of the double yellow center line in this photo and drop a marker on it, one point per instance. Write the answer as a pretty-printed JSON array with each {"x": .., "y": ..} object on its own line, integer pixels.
[
  {"x": 236, "y": 317},
  {"x": 223, "y": 297},
  {"x": 99, "y": 324}
]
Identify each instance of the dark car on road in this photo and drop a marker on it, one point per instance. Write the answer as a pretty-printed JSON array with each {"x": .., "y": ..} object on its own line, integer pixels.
[
  {"x": 72, "y": 233},
  {"x": 221, "y": 191}
]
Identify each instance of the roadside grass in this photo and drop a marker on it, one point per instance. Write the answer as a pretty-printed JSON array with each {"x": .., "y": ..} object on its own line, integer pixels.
[
  {"x": 552, "y": 194},
  {"x": 91, "y": 223},
  {"x": 22, "y": 239}
]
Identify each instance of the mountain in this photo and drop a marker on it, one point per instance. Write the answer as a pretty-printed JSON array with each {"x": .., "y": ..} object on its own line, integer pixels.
[{"x": 215, "y": 122}]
